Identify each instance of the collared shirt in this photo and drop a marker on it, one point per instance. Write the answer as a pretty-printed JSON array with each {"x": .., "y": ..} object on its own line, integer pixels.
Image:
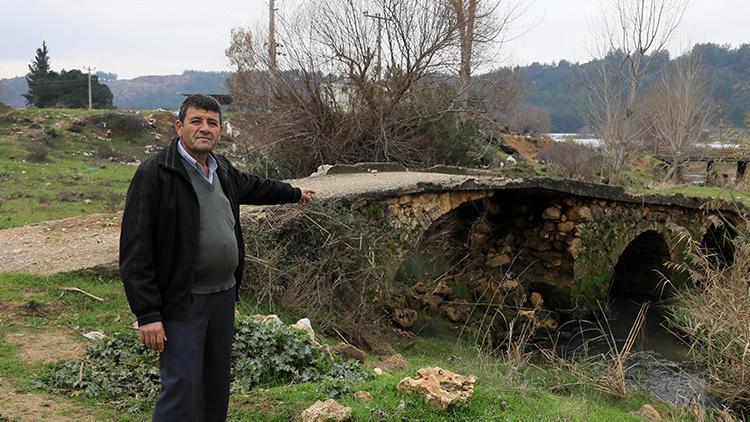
[{"x": 210, "y": 160}]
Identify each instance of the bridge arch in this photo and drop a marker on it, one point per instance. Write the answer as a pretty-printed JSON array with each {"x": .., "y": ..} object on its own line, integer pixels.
[{"x": 641, "y": 267}]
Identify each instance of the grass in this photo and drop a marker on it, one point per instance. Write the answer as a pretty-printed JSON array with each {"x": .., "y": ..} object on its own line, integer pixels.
[
  {"x": 715, "y": 316},
  {"x": 503, "y": 392},
  {"x": 76, "y": 177}
]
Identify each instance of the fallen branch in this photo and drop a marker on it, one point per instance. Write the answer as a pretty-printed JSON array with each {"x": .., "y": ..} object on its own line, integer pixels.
[{"x": 76, "y": 289}]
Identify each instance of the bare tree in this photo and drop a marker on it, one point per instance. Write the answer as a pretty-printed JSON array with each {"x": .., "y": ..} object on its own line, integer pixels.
[
  {"x": 637, "y": 32},
  {"x": 481, "y": 24},
  {"x": 680, "y": 111}
]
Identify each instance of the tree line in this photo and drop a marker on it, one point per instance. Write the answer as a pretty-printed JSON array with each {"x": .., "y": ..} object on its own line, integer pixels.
[
  {"x": 64, "y": 89},
  {"x": 556, "y": 87}
]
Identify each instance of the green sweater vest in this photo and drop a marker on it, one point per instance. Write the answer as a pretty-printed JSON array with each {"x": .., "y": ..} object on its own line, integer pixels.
[{"x": 218, "y": 255}]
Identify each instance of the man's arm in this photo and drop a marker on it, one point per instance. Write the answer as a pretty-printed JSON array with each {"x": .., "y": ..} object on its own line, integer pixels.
[
  {"x": 256, "y": 190},
  {"x": 137, "y": 264}
]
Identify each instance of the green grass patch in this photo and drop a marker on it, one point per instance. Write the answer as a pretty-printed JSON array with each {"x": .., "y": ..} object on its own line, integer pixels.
[
  {"x": 503, "y": 391},
  {"x": 66, "y": 163}
]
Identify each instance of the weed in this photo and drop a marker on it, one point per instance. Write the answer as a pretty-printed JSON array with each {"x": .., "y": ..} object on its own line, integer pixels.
[
  {"x": 715, "y": 315},
  {"x": 51, "y": 132},
  {"x": 37, "y": 153}
]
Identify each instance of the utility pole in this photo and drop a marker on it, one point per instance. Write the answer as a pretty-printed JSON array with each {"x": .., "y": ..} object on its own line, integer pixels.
[
  {"x": 90, "y": 69},
  {"x": 272, "y": 39},
  {"x": 380, "y": 20}
]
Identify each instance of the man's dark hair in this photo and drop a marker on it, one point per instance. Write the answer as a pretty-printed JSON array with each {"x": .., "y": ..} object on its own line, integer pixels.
[{"x": 201, "y": 102}]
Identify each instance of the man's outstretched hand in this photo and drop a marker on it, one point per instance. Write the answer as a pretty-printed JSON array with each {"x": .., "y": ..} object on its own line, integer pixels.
[
  {"x": 152, "y": 336},
  {"x": 307, "y": 195}
]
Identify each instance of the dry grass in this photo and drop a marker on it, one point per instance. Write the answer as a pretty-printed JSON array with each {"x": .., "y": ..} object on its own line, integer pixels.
[
  {"x": 715, "y": 315},
  {"x": 606, "y": 371}
]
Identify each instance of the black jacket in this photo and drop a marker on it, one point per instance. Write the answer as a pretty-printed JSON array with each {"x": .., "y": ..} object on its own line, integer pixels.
[{"x": 160, "y": 226}]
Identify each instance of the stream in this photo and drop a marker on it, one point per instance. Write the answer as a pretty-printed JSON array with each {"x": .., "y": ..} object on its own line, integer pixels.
[{"x": 660, "y": 363}]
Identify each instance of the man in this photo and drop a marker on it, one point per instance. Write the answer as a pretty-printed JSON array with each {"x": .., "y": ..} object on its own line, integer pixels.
[{"x": 182, "y": 256}]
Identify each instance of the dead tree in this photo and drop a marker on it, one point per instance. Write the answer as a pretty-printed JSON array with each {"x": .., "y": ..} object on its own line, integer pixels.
[
  {"x": 636, "y": 33},
  {"x": 680, "y": 111}
]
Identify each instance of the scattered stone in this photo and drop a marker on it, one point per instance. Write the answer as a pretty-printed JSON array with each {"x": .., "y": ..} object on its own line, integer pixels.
[
  {"x": 442, "y": 289},
  {"x": 498, "y": 261},
  {"x": 272, "y": 319},
  {"x": 327, "y": 411},
  {"x": 453, "y": 314},
  {"x": 349, "y": 352},
  {"x": 549, "y": 226},
  {"x": 377, "y": 371},
  {"x": 584, "y": 213},
  {"x": 432, "y": 302},
  {"x": 551, "y": 213},
  {"x": 393, "y": 363},
  {"x": 536, "y": 300},
  {"x": 363, "y": 396},
  {"x": 94, "y": 335},
  {"x": 304, "y": 325},
  {"x": 648, "y": 412},
  {"x": 440, "y": 387},
  {"x": 421, "y": 288},
  {"x": 404, "y": 318},
  {"x": 549, "y": 324}
]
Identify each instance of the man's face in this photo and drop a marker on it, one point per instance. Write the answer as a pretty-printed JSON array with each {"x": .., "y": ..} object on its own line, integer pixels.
[{"x": 201, "y": 130}]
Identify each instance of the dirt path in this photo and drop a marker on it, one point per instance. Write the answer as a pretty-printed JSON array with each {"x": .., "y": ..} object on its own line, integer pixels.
[
  {"x": 93, "y": 240},
  {"x": 61, "y": 245}
]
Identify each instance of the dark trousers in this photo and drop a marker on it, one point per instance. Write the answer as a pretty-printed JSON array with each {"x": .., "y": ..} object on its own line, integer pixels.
[{"x": 195, "y": 363}]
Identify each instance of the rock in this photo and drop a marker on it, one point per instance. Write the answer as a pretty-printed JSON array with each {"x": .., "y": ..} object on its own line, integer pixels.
[
  {"x": 648, "y": 412},
  {"x": 584, "y": 213},
  {"x": 536, "y": 300},
  {"x": 440, "y": 387},
  {"x": 304, "y": 325},
  {"x": 566, "y": 227},
  {"x": 349, "y": 352},
  {"x": 506, "y": 250},
  {"x": 549, "y": 324},
  {"x": 498, "y": 261},
  {"x": 363, "y": 396},
  {"x": 377, "y": 371},
  {"x": 404, "y": 318},
  {"x": 432, "y": 302},
  {"x": 327, "y": 411},
  {"x": 442, "y": 289},
  {"x": 393, "y": 363},
  {"x": 453, "y": 314},
  {"x": 551, "y": 213},
  {"x": 421, "y": 288},
  {"x": 272, "y": 320},
  {"x": 644, "y": 212},
  {"x": 549, "y": 226},
  {"x": 574, "y": 244}
]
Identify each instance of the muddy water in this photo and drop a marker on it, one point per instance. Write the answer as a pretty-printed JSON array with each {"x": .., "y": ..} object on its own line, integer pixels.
[{"x": 661, "y": 362}]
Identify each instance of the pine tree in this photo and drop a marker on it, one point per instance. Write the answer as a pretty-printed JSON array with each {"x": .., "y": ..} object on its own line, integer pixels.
[{"x": 39, "y": 72}]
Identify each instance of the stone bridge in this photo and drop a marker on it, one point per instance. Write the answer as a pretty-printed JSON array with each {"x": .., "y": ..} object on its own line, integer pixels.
[{"x": 571, "y": 241}]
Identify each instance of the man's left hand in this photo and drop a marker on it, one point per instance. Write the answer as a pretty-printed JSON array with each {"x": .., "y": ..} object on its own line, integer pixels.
[{"x": 307, "y": 195}]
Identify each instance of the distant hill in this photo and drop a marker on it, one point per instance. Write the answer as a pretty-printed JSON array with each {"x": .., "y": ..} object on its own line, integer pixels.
[
  {"x": 141, "y": 93},
  {"x": 559, "y": 87}
]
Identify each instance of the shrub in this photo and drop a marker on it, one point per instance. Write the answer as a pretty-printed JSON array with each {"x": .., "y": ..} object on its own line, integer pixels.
[
  {"x": 109, "y": 152},
  {"x": 570, "y": 160},
  {"x": 51, "y": 132},
  {"x": 37, "y": 154},
  {"x": 715, "y": 315},
  {"x": 322, "y": 261},
  {"x": 126, "y": 125}
]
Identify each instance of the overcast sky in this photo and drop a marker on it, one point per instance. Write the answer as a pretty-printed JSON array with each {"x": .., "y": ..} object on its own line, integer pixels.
[{"x": 159, "y": 37}]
